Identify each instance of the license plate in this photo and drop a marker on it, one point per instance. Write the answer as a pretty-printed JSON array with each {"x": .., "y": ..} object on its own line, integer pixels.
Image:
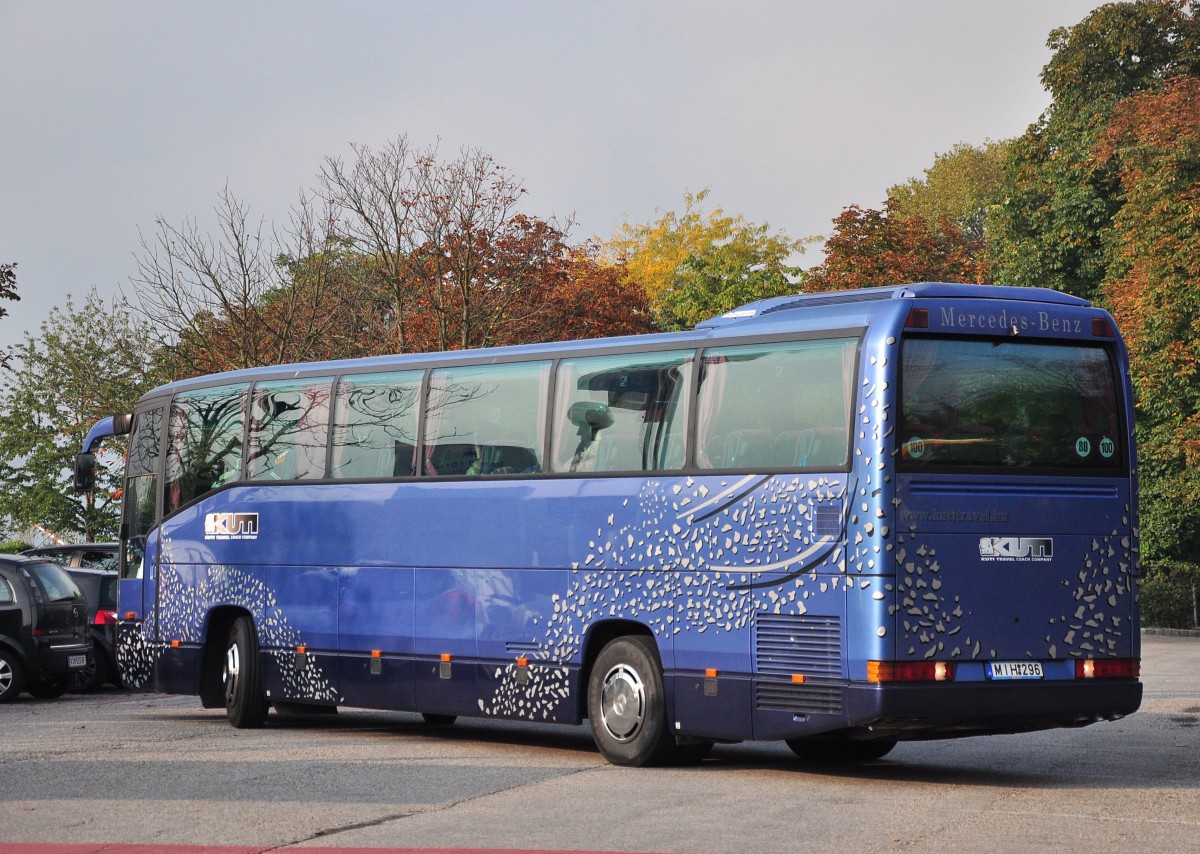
[
  {"x": 74, "y": 661},
  {"x": 1015, "y": 670}
]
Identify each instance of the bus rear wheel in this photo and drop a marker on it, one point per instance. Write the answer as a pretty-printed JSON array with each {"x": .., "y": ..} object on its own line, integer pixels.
[
  {"x": 245, "y": 698},
  {"x": 627, "y": 706},
  {"x": 840, "y": 749}
]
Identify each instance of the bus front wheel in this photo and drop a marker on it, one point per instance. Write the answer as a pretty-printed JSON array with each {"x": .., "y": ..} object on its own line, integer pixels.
[
  {"x": 626, "y": 704},
  {"x": 245, "y": 699}
]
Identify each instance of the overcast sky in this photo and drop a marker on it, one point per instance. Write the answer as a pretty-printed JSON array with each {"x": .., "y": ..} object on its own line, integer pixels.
[{"x": 113, "y": 114}]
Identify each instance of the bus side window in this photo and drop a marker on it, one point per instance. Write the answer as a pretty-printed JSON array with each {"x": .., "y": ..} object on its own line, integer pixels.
[
  {"x": 205, "y": 449},
  {"x": 375, "y": 425},
  {"x": 784, "y": 405},
  {"x": 621, "y": 413},
  {"x": 289, "y": 424},
  {"x": 486, "y": 420}
]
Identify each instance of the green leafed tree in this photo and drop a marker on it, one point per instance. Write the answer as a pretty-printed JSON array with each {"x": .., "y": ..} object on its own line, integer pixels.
[
  {"x": 703, "y": 261},
  {"x": 8, "y": 284},
  {"x": 962, "y": 186},
  {"x": 84, "y": 364},
  {"x": 1056, "y": 200}
]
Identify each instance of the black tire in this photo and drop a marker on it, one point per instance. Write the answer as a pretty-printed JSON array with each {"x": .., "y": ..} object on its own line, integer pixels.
[
  {"x": 245, "y": 699},
  {"x": 91, "y": 677},
  {"x": 627, "y": 704},
  {"x": 840, "y": 749},
  {"x": 50, "y": 689},
  {"x": 438, "y": 720},
  {"x": 12, "y": 676}
]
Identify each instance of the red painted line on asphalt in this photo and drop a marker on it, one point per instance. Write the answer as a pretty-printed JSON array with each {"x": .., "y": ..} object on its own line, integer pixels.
[{"x": 123, "y": 848}]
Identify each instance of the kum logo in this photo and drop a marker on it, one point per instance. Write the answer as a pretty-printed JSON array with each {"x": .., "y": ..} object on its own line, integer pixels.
[
  {"x": 231, "y": 526},
  {"x": 1016, "y": 548}
]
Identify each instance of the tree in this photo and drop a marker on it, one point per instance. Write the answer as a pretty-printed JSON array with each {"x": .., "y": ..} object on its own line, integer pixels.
[
  {"x": 694, "y": 265},
  {"x": 242, "y": 298},
  {"x": 84, "y": 364},
  {"x": 1153, "y": 262},
  {"x": 586, "y": 297},
  {"x": 444, "y": 240},
  {"x": 1056, "y": 200},
  {"x": 8, "y": 285},
  {"x": 961, "y": 185},
  {"x": 874, "y": 247}
]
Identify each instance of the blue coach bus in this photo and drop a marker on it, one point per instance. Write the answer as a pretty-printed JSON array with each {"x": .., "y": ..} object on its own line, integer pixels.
[{"x": 841, "y": 520}]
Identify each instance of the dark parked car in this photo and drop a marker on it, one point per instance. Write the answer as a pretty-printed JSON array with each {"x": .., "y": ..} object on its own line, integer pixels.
[
  {"x": 99, "y": 587},
  {"x": 99, "y": 555},
  {"x": 44, "y": 636}
]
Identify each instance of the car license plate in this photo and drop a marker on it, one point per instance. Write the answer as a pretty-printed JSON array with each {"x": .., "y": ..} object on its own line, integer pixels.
[
  {"x": 1015, "y": 670},
  {"x": 74, "y": 661}
]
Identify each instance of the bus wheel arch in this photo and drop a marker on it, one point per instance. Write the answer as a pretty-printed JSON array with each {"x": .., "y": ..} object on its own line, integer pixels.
[
  {"x": 212, "y": 668},
  {"x": 627, "y": 704}
]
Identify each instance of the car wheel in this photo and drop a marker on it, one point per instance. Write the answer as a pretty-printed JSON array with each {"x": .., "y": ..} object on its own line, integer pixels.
[
  {"x": 91, "y": 677},
  {"x": 840, "y": 749},
  {"x": 49, "y": 690},
  {"x": 12, "y": 676},
  {"x": 627, "y": 706},
  {"x": 245, "y": 699}
]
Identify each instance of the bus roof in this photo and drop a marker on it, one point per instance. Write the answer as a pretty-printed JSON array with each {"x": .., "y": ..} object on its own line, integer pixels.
[
  {"x": 934, "y": 290},
  {"x": 747, "y": 318}
]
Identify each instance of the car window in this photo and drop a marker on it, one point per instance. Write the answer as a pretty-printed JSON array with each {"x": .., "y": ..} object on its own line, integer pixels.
[
  {"x": 99, "y": 558},
  {"x": 53, "y": 582},
  {"x": 6, "y": 592}
]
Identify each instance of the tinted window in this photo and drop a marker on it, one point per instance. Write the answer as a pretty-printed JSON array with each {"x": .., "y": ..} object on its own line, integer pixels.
[
  {"x": 144, "y": 447},
  {"x": 486, "y": 420},
  {"x": 99, "y": 558},
  {"x": 1009, "y": 404},
  {"x": 206, "y": 443},
  {"x": 375, "y": 425},
  {"x": 289, "y": 425},
  {"x": 776, "y": 405},
  {"x": 6, "y": 592},
  {"x": 52, "y": 581},
  {"x": 621, "y": 413}
]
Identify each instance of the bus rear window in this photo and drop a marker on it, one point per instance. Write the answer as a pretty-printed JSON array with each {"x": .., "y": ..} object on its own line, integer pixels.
[{"x": 1008, "y": 404}]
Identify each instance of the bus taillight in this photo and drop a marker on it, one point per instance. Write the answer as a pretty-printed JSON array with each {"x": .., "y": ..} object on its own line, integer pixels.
[
  {"x": 910, "y": 671},
  {"x": 1101, "y": 328},
  {"x": 918, "y": 318},
  {"x": 1108, "y": 668}
]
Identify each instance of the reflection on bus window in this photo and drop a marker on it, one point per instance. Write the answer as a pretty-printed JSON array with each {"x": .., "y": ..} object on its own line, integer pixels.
[
  {"x": 375, "y": 425},
  {"x": 289, "y": 425},
  {"x": 621, "y": 413},
  {"x": 1008, "y": 404},
  {"x": 776, "y": 405},
  {"x": 205, "y": 449},
  {"x": 486, "y": 420}
]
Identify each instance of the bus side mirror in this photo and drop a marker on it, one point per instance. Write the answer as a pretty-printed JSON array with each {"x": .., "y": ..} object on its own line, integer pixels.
[{"x": 85, "y": 472}]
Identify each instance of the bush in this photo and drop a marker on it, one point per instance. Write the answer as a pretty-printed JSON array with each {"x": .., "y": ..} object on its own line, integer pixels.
[
  {"x": 12, "y": 547},
  {"x": 1166, "y": 595}
]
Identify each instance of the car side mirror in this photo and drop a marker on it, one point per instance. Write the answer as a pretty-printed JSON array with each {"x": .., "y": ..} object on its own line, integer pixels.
[{"x": 85, "y": 472}]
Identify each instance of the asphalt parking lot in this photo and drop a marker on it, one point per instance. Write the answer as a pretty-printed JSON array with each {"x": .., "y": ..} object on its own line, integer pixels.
[{"x": 116, "y": 768}]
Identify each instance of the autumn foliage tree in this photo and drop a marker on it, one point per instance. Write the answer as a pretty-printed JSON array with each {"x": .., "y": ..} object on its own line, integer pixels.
[
  {"x": 703, "y": 261},
  {"x": 1153, "y": 289},
  {"x": 875, "y": 247}
]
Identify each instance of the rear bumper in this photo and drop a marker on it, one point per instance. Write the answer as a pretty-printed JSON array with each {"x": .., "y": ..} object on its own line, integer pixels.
[
  {"x": 62, "y": 658},
  {"x": 977, "y": 708}
]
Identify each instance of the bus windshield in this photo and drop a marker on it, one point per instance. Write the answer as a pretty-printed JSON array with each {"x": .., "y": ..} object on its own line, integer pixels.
[{"x": 1003, "y": 403}]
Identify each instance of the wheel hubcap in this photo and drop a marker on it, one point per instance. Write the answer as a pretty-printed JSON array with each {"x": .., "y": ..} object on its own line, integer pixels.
[
  {"x": 6, "y": 676},
  {"x": 233, "y": 666},
  {"x": 623, "y": 703}
]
